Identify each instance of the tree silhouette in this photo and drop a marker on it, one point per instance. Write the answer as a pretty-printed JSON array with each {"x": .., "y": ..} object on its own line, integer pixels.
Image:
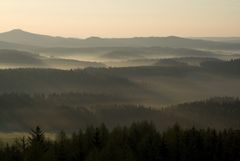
[
  {"x": 37, "y": 145},
  {"x": 139, "y": 142}
]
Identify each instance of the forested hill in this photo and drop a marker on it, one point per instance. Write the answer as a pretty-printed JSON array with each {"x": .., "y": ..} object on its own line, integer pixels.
[
  {"x": 150, "y": 86},
  {"x": 20, "y": 112},
  {"x": 52, "y": 80},
  {"x": 231, "y": 67}
]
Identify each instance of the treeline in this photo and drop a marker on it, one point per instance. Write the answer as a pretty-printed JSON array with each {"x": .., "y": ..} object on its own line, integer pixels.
[
  {"x": 108, "y": 80},
  {"x": 72, "y": 111},
  {"x": 58, "y": 81},
  {"x": 226, "y": 67},
  {"x": 139, "y": 142}
]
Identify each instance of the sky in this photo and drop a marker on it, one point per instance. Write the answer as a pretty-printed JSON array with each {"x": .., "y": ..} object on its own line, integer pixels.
[{"x": 122, "y": 18}]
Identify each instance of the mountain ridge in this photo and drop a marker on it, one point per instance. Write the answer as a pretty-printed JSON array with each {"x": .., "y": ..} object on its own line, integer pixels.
[{"x": 19, "y": 36}]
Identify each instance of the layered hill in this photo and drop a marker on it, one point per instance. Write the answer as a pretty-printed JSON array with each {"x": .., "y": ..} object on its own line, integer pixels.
[
  {"x": 23, "y": 59},
  {"x": 56, "y": 112},
  {"x": 22, "y": 37}
]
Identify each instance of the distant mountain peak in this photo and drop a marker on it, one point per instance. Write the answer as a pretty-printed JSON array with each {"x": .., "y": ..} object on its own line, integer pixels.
[
  {"x": 17, "y": 31},
  {"x": 174, "y": 37},
  {"x": 94, "y": 38},
  {"x": 19, "y": 36}
]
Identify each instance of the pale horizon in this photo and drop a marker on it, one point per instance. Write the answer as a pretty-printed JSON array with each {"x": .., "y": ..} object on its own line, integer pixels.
[{"x": 120, "y": 19}]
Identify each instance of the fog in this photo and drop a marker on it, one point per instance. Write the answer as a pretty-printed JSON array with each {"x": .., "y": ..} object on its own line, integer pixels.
[{"x": 87, "y": 81}]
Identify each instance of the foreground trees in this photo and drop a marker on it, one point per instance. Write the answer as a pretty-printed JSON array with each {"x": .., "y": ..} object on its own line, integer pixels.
[{"x": 139, "y": 142}]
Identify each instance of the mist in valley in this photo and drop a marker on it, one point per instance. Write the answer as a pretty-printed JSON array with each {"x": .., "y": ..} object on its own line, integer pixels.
[
  {"x": 80, "y": 82},
  {"x": 148, "y": 80},
  {"x": 69, "y": 84}
]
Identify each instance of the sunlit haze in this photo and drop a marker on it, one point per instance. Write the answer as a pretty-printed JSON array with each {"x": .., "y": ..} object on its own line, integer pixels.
[{"x": 122, "y": 18}]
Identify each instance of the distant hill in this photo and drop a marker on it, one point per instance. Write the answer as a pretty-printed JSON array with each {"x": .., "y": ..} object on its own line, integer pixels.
[
  {"x": 222, "y": 39},
  {"x": 14, "y": 57},
  {"x": 211, "y": 112},
  {"x": 14, "y": 46},
  {"x": 23, "y": 37},
  {"x": 228, "y": 67},
  {"x": 124, "y": 54},
  {"x": 147, "y": 85},
  {"x": 23, "y": 59},
  {"x": 154, "y": 52},
  {"x": 21, "y": 112},
  {"x": 194, "y": 61},
  {"x": 170, "y": 62},
  {"x": 178, "y": 61}
]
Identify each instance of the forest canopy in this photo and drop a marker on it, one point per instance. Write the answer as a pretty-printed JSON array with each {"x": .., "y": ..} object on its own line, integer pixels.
[{"x": 139, "y": 142}]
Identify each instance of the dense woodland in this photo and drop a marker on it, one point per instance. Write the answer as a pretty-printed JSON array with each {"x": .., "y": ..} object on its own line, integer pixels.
[
  {"x": 138, "y": 142},
  {"x": 19, "y": 112},
  {"x": 133, "y": 99},
  {"x": 232, "y": 67},
  {"x": 146, "y": 85},
  {"x": 72, "y": 99}
]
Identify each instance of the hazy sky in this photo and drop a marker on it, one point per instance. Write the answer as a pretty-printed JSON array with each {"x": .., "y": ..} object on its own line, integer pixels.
[{"x": 122, "y": 18}]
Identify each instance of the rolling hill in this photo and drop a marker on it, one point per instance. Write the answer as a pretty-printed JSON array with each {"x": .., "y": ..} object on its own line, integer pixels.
[
  {"x": 23, "y": 59},
  {"x": 20, "y": 112},
  {"x": 155, "y": 53},
  {"x": 22, "y": 37},
  {"x": 147, "y": 85},
  {"x": 15, "y": 46}
]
